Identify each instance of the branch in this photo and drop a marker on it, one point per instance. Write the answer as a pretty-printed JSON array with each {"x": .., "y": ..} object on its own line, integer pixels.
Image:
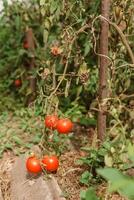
[
  {"x": 69, "y": 54},
  {"x": 122, "y": 36}
]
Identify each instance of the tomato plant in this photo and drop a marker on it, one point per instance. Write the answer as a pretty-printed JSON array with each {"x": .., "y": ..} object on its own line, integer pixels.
[
  {"x": 64, "y": 126},
  {"x": 51, "y": 121},
  {"x": 50, "y": 163},
  {"x": 17, "y": 83},
  {"x": 33, "y": 165}
]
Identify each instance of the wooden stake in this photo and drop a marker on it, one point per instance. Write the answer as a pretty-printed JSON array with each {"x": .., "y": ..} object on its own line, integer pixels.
[
  {"x": 29, "y": 39},
  {"x": 105, "y": 7}
]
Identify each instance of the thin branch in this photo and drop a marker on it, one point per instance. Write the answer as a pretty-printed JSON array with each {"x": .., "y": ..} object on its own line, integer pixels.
[
  {"x": 123, "y": 38},
  {"x": 82, "y": 29}
]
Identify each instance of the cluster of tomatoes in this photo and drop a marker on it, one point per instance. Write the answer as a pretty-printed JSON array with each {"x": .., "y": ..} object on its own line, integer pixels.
[
  {"x": 63, "y": 126},
  {"x": 49, "y": 163}
]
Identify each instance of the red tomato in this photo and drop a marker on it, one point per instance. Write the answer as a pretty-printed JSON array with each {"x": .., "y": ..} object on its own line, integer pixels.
[
  {"x": 64, "y": 126},
  {"x": 17, "y": 82},
  {"x": 50, "y": 163},
  {"x": 33, "y": 165},
  {"x": 51, "y": 121},
  {"x": 25, "y": 45}
]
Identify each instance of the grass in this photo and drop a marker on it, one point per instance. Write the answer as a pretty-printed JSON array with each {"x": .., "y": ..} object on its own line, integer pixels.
[{"x": 20, "y": 130}]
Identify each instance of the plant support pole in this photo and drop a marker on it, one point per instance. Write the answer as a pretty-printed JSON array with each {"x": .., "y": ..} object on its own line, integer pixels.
[
  {"x": 103, "y": 61},
  {"x": 29, "y": 37}
]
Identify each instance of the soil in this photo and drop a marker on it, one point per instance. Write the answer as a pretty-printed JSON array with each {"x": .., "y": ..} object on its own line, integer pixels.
[
  {"x": 68, "y": 174},
  {"x": 67, "y": 177}
]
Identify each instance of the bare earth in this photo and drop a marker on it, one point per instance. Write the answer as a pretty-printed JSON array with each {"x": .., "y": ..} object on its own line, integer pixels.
[{"x": 67, "y": 176}]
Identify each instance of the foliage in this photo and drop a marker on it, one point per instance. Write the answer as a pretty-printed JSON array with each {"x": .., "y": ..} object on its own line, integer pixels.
[
  {"x": 66, "y": 81},
  {"x": 106, "y": 155},
  {"x": 55, "y": 24},
  {"x": 118, "y": 182},
  {"x": 19, "y": 131},
  {"x": 88, "y": 195}
]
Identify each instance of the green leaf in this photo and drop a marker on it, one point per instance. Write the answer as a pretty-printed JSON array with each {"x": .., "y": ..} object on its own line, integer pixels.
[
  {"x": 88, "y": 149},
  {"x": 43, "y": 11},
  {"x": 8, "y": 146},
  {"x": 85, "y": 177},
  {"x": 86, "y": 160},
  {"x": 67, "y": 87},
  {"x": 36, "y": 139},
  {"x": 5, "y": 3},
  {"x": 110, "y": 174},
  {"x": 56, "y": 137},
  {"x": 53, "y": 7},
  {"x": 17, "y": 22},
  {"x": 45, "y": 36},
  {"x": 22, "y": 52},
  {"x": 83, "y": 195},
  {"x": 88, "y": 194},
  {"x": 87, "y": 48},
  {"x": 79, "y": 90},
  {"x": 42, "y": 2},
  {"x": 17, "y": 140},
  {"x": 88, "y": 121},
  {"x": 130, "y": 150},
  {"x": 28, "y": 145},
  {"x": 118, "y": 182}
]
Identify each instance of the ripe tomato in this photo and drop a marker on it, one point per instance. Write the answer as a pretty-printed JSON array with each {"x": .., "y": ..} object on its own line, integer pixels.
[
  {"x": 50, "y": 163},
  {"x": 25, "y": 45},
  {"x": 17, "y": 82},
  {"x": 33, "y": 165},
  {"x": 64, "y": 126},
  {"x": 51, "y": 121}
]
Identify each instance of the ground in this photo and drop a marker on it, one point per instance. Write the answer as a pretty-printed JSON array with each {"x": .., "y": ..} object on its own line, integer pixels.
[{"x": 16, "y": 134}]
